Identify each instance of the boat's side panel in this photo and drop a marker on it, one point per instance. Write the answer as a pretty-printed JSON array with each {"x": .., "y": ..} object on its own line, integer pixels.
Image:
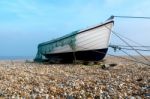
[
  {"x": 97, "y": 38},
  {"x": 88, "y": 55},
  {"x": 60, "y": 49}
]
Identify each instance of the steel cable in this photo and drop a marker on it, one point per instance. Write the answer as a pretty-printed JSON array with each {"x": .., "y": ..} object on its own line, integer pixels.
[
  {"x": 127, "y": 44},
  {"x": 132, "y": 17}
]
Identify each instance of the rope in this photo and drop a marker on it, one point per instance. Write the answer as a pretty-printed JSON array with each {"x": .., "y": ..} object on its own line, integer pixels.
[
  {"x": 128, "y": 38},
  {"x": 129, "y": 59},
  {"x": 132, "y": 17},
  {"x": 127, "y": 43},
  {"x": 146, "y": 47},
  {"x": 130, "y": 56},
  {"x": 136, "y": 61},
  {"x": 133, "y": 46},
  {"x": 74, "y": 56},
  {"x": 117, "y": 47},
  {"x": 126, "y": 47},
  {"x": 135, "y": 49}
]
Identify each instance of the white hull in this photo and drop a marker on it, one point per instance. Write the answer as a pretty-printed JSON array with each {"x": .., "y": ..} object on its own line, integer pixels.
[{"x": 89, "y": 39}]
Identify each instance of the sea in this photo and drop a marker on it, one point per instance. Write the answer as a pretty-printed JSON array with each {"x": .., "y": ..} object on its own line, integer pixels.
[{"x": 17, "y": 57}]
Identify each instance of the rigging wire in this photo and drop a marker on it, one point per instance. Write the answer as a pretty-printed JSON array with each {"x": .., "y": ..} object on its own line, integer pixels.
[
  {"x": 127, "y": 43},
  {"x": 124, "y": 52},
  {"x": 135, "y": 49},
  {"x": 127, "y": 47},
  {"x": 133, "y": 41},
  {"x": 130, "y": 55},
  {"x": 132, "y": 17},
  {"x": 91, "y": 45},
  {"x": 133, "y": 46},
  {"x": 129, "y": 59},
  {"x": 119, "y": 48},
  {"x": 133, "y": 59},
  {"x": 136, "y": 61}
]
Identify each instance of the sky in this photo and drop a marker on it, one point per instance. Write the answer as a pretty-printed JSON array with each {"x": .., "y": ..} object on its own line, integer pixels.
[{"x": 26, "y": 23}]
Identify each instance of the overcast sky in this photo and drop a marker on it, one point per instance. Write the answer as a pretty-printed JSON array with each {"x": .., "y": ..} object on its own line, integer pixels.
[{"x": 25, "y": 23}]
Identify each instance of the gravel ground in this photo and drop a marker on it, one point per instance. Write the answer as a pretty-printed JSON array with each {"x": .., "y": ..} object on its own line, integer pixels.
[{"x": 126, "y": 80}]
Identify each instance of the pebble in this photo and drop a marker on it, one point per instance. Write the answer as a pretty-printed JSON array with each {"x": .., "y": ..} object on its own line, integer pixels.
[
  {"x": 147, "y": 95},
  {"x": 69, "y": 97},
  {"x": 32, "y": 80}
]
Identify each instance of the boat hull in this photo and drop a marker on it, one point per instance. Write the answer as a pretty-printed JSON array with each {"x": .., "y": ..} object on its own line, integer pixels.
[
  {"x": 89, "y": 44},
  {"x": 91, "y": 39},
  {"x": 87, "y": 55}
]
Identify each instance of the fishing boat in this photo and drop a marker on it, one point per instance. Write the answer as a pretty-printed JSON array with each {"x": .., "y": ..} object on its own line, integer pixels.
[{"x": 90, "y": 44}]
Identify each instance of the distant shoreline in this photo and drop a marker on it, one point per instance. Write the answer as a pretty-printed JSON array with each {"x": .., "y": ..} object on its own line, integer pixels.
[
  {"x": 16, "y": 57},
  {"x": 32, "y": 57}
]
